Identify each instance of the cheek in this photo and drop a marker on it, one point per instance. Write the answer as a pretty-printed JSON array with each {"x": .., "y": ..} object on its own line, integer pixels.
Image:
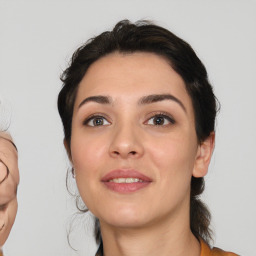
[
  {"x": 173, "y": 153},
  {"x": 86, "y": 153},
  {"x": 174, "y": 160},
  {"x": 174, "y": 171},
  {"x": 88, "y": 156}
]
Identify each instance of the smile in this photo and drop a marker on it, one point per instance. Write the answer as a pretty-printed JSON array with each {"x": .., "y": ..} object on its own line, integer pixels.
[{"x": 125, "y": 180}]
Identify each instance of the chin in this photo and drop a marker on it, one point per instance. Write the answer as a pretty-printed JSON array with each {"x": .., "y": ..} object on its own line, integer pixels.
[
  {"x": 125, "y": 218},
  {"x": 131, "y": 223}
]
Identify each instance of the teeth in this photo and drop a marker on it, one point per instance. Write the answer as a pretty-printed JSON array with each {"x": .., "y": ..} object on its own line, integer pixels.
[{"x": 125, "y": 180}]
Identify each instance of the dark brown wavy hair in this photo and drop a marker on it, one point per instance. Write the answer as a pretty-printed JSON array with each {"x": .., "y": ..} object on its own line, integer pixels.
[{"x": 144, "y": 36}]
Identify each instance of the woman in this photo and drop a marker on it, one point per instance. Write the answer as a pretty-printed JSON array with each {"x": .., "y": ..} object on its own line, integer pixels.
[
  {"x": 139, "y": 115},
  {"x": 9, "y": 180}
]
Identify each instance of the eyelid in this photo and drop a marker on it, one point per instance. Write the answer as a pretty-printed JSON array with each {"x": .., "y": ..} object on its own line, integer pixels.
[
  {"x": 96, "y": 115},
  {"x": 165, "y": 115}
]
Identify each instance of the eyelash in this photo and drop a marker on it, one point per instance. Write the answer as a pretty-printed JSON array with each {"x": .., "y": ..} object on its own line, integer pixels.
[
  {"x": 94, "y": 117},
  {"x": 163, "y": 115}
]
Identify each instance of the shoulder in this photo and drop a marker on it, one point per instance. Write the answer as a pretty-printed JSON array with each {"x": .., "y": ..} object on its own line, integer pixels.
[
  {"x": 219, "y": 252},
  {"x": 207, "y": 251}
]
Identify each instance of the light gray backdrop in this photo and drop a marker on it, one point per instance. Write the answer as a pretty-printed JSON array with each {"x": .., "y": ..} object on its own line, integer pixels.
[{"x": 37, "y": 39}]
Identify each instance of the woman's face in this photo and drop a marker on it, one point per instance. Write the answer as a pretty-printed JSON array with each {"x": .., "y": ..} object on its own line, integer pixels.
[{"x": 133, "y": 145}]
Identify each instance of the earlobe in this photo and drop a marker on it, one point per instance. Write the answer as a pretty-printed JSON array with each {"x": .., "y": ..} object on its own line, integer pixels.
[{"x": 203, "y": 158}]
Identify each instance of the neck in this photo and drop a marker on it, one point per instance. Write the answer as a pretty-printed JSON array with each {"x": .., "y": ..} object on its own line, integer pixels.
[{"x": 164, "y": 238}]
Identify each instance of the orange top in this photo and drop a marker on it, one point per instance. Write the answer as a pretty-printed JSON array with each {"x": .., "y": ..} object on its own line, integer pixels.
[{"x": 207, "y": 251}]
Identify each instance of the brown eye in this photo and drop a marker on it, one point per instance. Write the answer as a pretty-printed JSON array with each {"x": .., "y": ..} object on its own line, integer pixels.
[
  {"x": 160, "y": 120},
  {"x": 98, "y": 121}
]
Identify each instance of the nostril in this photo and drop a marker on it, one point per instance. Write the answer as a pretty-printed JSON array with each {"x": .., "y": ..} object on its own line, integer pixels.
[{"x": 124, "y": 153}]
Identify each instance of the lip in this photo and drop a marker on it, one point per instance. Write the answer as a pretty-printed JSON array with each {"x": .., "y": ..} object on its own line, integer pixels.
[{"x": 125, "y": 187}]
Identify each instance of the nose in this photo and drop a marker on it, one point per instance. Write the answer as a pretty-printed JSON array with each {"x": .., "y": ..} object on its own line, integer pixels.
[{"x": 126, "y": 142}]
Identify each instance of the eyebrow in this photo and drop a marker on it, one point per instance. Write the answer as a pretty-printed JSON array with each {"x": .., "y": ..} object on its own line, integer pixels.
[
  {"x": 98, "y": 99},
  {"x": 149, "y": 99},
  {"x": 160, "y": 97}
]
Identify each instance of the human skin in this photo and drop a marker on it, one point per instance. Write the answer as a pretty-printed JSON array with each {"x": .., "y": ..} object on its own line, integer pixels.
[
  {"x": 8, "y": 188},
  {"x": 153, "y": 220}
]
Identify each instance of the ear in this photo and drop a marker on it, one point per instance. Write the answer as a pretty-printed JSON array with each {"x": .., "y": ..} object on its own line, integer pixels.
[
  {"x": 67, "y": 147},
  {"x": 203, "y": 157}
]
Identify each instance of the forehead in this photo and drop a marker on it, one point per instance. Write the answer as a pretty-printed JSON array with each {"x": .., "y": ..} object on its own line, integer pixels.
[{"x": 130, "y": 76}]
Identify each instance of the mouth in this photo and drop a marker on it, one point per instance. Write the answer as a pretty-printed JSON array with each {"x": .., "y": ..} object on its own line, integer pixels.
[{"x": 125, "y": 181}]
